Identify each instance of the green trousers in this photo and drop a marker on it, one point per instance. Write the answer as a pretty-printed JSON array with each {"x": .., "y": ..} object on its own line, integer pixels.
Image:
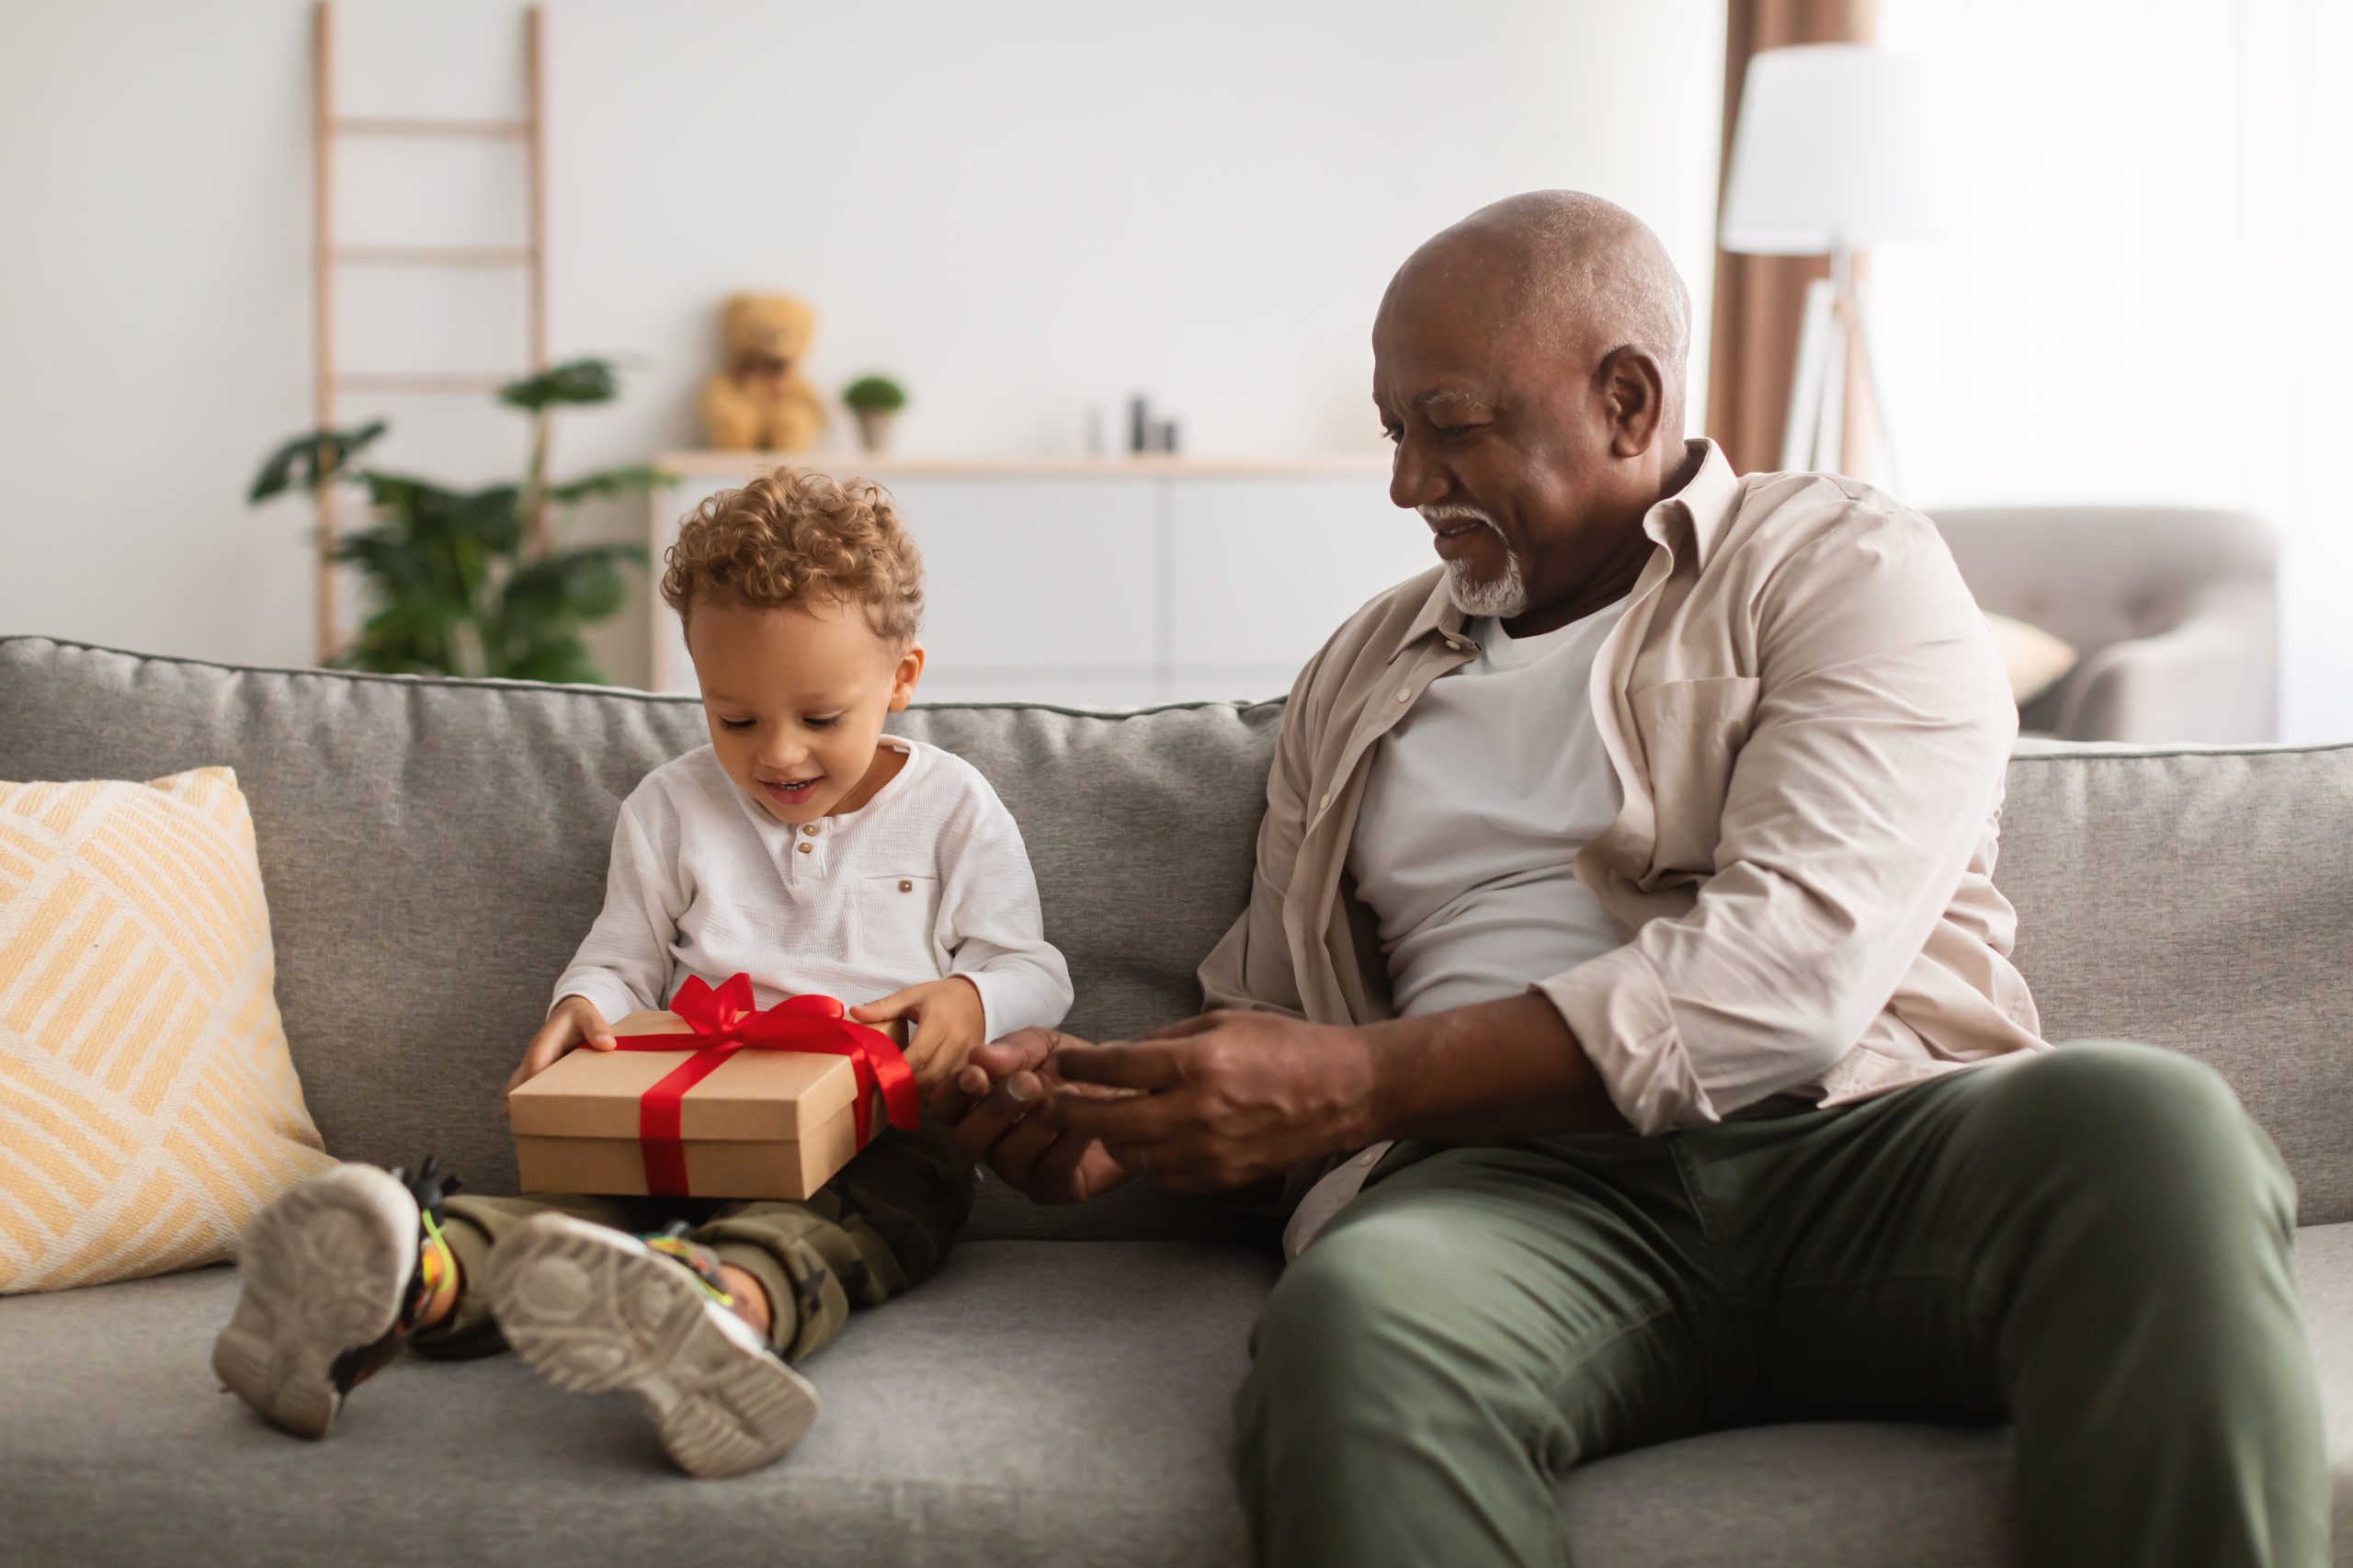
[
  {"x": 880, "y": 1226},
  {"x": 2092, "y": 1245}
]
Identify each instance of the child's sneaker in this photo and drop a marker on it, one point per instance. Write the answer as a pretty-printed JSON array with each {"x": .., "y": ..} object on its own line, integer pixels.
[
  {"x": 591, "y": 1309},
  {"x": 331, "y": 1277}
]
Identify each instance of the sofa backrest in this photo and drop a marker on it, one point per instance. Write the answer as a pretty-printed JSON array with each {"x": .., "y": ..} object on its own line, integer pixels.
[{"x": 434, "y": 850}]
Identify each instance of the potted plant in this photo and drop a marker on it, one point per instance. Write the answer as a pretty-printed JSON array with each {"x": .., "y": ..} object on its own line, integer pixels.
[
  {"x": 474, "y": 582},
  {"x": 875, "y": 400}
]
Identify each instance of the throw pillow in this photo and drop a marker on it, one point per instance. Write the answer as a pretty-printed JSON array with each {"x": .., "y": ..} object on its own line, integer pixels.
[
  {"x": 148, "y": 1107},
  {"x": 2033, "y": 659}
]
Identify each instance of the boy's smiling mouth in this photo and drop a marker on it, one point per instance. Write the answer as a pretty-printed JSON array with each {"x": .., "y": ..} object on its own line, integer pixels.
[{"x": 791, "y": 792}]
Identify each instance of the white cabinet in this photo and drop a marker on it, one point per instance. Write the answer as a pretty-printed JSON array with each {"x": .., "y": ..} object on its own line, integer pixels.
[{"x": 1112, "y": 583}]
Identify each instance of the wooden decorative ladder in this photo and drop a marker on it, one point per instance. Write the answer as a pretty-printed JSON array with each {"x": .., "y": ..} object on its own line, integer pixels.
[{"x": 326, "y": 128}]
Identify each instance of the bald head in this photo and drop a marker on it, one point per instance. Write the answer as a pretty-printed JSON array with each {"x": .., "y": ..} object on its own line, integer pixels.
[
  {"x": 1528, "y": 364},
  {"x": 1579, "y": 274}
]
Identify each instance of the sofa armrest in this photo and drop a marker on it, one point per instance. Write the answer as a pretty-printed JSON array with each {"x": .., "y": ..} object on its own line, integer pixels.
[{"x": 2212, "y": 678}]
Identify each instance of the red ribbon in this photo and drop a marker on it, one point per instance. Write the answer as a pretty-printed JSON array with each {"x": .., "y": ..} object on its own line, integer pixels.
[{"x": 725, "y": 1021}]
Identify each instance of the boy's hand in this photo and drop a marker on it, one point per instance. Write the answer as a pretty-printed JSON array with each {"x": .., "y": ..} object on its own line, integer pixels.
[
  {"x": 572, "y": 1022},
  {"x": 948, "y": 1018}
]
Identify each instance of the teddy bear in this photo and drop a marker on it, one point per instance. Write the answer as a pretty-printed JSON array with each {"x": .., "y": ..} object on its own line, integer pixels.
[{"x": 758, "y": 400}]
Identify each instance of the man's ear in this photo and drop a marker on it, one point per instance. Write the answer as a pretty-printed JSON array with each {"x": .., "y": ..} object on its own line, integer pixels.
[
  {"x": 903, "y": 678},
  {"x": 1633, "y": 393}
]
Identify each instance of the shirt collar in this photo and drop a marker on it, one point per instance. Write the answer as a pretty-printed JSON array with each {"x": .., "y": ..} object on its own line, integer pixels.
[{"x": 1705, "y": 505}]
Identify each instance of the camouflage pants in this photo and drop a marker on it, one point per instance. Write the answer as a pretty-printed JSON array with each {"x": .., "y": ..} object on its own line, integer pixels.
[{"x": 880, "y": 1226}]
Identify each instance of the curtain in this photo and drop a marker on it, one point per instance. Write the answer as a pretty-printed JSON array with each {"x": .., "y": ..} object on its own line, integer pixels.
[
  {"x": 2141, "y": 295},
  {"x": 1760, "y": 300}
]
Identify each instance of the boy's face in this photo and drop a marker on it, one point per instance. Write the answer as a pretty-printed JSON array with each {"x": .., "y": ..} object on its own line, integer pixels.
[{"x": 795, "y": 699}]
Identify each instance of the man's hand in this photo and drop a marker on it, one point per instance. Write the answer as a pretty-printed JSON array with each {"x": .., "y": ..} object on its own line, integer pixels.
[
  {"x": 1220, "y": 1101},
  {"x": 993, "y": 1103},
  {"x": 948, "y": 1016},
  {"x": 574, "y": 1021}
]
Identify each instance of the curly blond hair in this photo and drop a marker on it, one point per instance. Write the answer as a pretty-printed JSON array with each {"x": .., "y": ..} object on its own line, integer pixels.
[{"x": 796, "y": 537}]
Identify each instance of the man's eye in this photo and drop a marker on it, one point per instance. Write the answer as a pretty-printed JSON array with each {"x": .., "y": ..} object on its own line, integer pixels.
[
  {"x": 1452, "y": 432},
  {"x": 735, "y": 723},
  {"x": 1391, "y": 433}
]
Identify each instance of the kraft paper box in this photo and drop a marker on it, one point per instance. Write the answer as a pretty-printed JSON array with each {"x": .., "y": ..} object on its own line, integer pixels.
[{"x": 765, "y": 1124}]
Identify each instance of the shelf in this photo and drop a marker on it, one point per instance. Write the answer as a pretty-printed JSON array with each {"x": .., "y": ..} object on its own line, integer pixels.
[{"x": 709, "y": 464}]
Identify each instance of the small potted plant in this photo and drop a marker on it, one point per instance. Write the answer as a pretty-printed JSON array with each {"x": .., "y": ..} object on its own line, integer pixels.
[{"x": 875, "y": 400}]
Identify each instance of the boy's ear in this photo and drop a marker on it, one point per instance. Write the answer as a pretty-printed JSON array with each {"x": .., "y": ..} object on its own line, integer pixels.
[{"x": 903, "y": 678}]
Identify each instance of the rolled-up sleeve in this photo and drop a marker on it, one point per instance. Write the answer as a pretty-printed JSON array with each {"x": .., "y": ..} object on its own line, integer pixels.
[{"x": 1871, "y": 767}]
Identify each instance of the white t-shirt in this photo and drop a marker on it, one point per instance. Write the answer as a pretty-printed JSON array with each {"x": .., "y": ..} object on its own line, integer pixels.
[
  {"x": 927, "y": 879},
  {"x": 1474, "y": 806}
]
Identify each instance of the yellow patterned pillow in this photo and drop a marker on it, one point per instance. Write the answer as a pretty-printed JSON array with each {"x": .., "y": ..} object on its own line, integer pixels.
[{"x": 148, "y": 1107}]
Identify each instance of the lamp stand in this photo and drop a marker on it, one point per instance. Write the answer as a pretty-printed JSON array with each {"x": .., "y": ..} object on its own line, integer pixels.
[{"x": 1815, "y": 435}]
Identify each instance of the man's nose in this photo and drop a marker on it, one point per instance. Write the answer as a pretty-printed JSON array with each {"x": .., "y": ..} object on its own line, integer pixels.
[{"x": 1414, "y": 480}]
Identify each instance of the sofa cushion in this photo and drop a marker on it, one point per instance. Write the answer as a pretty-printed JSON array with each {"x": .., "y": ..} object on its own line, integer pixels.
[
  {"x": 1035, "y": 1403},
  {"x": 147, "y": 1103},
  {"x": 2202, "y": 899}
]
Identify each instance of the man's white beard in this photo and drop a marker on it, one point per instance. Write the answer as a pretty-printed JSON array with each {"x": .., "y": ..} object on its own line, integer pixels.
[{"x": 1504, "y": 597}]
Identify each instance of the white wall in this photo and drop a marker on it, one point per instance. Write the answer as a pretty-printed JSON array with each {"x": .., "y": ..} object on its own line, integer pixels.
[{"x": 1021, "y": 210}]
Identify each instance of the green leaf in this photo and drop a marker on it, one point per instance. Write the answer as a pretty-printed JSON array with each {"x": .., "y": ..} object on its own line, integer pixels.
[
  {"x": 312, "y": 460},
  {"x": 408, "y": 499},
  {"x": 486, "y": 518},
  {"x": 490, "y": 517},
  {"x": 575, "y": 380},
  {"x": 611, "y": 481}
]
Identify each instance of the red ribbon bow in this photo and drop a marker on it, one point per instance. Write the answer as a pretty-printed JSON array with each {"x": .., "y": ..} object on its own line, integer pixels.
[{"x": 724, "y": 1022}]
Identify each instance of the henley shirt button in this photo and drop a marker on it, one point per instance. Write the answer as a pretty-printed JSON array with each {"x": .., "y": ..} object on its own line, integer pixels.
[
  {"x": 905, "y": 886},
  {"x": 804, "y": 846},
  {"x": 1325, "y": 803},
  {"x": 810, "y": 829},
  {"x": 1367, "y": 1157},
  {"x": 1404, "y": 694}
]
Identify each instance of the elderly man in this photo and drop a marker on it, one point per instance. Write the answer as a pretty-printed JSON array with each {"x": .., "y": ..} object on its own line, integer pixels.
[{"x": 1625, "y": 984}]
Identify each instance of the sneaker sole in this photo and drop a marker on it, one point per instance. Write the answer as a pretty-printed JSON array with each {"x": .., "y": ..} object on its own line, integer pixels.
[
  {"x": 321, "y": 1271},
  {"x": 591, "y": 1309}
]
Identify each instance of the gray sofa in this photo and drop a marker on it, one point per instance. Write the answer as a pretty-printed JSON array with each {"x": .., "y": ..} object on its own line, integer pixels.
[
  {"x": 1059, "y": 1394},
  {"x": 2175, "y": 611}
]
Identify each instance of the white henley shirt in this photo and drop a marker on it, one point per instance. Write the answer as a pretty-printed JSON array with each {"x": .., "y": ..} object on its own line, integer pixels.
[{"x": 926, "y": 880}]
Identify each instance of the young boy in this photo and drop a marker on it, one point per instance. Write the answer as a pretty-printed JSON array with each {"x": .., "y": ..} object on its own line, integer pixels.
[{"x": 804, "y": 847}]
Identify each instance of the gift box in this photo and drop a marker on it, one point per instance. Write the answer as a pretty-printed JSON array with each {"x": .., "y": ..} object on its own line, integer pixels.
[{"x": 715, "y": 1099}]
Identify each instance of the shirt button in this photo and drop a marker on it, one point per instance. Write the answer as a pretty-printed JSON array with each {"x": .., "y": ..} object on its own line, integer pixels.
[
  {"x": 905, "y": 886},
  {"x": 804, "y": 847},
  {"x": 810, "y": 830},
  {"x": 1368, "y": 1156},
  {"x": 1325, "y": 805},
  {"x": 1404, "y": 694}
]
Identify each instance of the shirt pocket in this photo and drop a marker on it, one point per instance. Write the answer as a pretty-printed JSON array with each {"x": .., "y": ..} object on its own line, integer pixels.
[
  {"x": 1691, "y": 731},
  {"x": 897, "y": 924}
]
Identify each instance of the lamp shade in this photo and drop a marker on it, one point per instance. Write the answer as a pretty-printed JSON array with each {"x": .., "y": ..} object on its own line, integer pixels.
[{"x": 1832, "y": 150}]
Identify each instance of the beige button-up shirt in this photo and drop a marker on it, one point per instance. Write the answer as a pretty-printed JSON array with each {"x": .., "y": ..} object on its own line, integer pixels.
[{"x": 1810, "y": 727}]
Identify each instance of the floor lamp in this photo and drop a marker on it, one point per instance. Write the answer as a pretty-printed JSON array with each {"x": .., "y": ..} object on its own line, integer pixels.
[{"x": 1830, "y": 156}]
